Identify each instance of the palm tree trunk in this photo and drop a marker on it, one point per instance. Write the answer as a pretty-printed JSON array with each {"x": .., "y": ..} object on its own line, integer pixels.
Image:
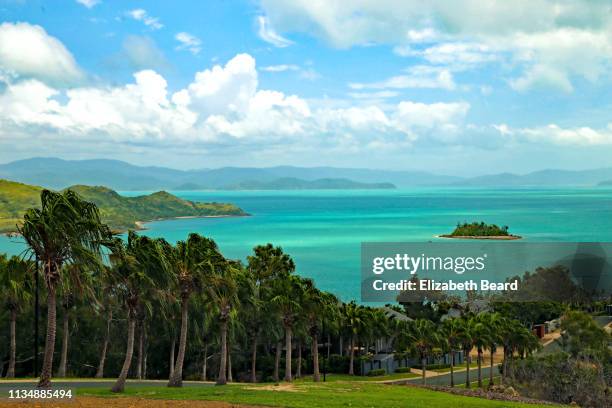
[
  {"x": 479, "y": 367},
  {"x": 423, "y": 368},
  {"x": 222, "y": 378},
  {"x": 467, "y": 366},
  {"x": 140, "y": 350},
  {"x": 341, "y": 346},
  {"x": 491, "y": 369},
  {"x": 205, "y": 363},
  {"x": 452, "y": 369},
  {"x": 45, "y": 374},
  {"x": 230, "y": 377},
  {"x": 176, "y": 380},
  {"x": 172, "y": 352},
  {"x": 288, "y": 334},
  {"x": 352, "y": 356},
  {"x": 254, "y": 359},
  {"x": 277, "y": 358},
  {"x": 13, "y": 347},
  {"x": 504, "y": 365},
  {"x": 61, "y": 372},
  {"x": 328, "y": 346},
  {"x": 120, "y": 384},
  {"x": 298, "y": 370},
  {"x": 316, "y": 376},
  {"x": 100, "y": 371}
]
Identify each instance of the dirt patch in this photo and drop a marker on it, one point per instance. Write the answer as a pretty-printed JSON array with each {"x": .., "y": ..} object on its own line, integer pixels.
[
  {"x": 274, "y": 387},
  {"x": 122, "y": 402}
]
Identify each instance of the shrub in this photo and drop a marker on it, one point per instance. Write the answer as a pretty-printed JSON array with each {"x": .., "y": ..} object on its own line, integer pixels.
[
  {"x": 403, "y": 369},
  {"x": 377, "y": 372}
]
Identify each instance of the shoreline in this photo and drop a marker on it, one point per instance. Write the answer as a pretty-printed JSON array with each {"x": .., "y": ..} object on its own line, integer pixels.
[
  {"x": 140, "y": 225},
  {"x": 489, "y": 237}
]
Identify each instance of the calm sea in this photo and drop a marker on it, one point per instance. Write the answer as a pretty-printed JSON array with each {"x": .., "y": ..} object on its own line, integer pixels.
[{"x": 323, "y": 230}]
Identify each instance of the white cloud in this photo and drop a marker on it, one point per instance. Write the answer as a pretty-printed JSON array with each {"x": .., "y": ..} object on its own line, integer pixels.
[
  {"x": 567, "y": 39},
  {"x": 419, "y": 76},
  {"x": 188, "y": 42},
  {"x": 554, "y": 134},
  {"x": 223, "y": 105},
  {"x": 280, "y": 68},
  {"x": 270, "y": 36},
  {"x": 373, "y": 95},
  {"x": 88, "y": 3},
  {"x": 28, "y": 51},
  {"x": 149, "y": 21}
]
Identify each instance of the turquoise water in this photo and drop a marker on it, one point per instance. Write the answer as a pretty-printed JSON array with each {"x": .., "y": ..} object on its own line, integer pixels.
[{"x": 323, "y": 230}]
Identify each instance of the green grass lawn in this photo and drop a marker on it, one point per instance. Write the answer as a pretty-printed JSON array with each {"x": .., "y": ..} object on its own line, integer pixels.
[{"x": 335, "y": 394}]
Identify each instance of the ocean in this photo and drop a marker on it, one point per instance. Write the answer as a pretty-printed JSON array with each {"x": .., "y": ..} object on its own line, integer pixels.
[{"x": 323, "y": 230}]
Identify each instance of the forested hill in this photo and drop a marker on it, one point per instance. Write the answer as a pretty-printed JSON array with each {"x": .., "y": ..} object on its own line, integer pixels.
[{"x": 119, "y": 212}]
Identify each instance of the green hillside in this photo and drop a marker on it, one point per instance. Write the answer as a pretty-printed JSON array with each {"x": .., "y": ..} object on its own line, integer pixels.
[{"x": 119, "y": 212}]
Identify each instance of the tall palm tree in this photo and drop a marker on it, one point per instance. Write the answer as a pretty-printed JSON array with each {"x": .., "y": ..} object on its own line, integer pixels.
[
  {"x": 495, "y": 324},
  {"x": 15, "y": 293},
  {"x": 466, "y": 334},
  {"x": 452, "y": 331},
  {"x": 139, "y": 268},
  {"x": 424, "y": 335},
  {"x": 105, "y": 293},
  {"x": 481, "y": 337},
  {"x": 189, "y": 260},
  {"x": 222, "y": 290},
  {"x": 288, "y": 294},
  {"x": 66, "y": 229},
  {"x": 353, "y": 317},
  {"x": 267, "y": 263}
]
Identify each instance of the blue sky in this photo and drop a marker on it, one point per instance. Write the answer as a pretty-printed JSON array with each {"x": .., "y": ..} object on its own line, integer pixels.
[{"x": 466, "y": 87}]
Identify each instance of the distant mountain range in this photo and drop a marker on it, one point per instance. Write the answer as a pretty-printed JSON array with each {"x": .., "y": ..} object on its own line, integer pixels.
[{"x": 57, "y": 173}]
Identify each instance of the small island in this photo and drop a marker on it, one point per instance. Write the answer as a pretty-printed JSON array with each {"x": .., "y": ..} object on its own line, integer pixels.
[{"x": 480, "y": 230}]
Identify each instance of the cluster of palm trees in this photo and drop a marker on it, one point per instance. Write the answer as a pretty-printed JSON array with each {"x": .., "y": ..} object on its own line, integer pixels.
[
  {"x": 203, "y": 299},
  {"x": 485, "y": 331}
]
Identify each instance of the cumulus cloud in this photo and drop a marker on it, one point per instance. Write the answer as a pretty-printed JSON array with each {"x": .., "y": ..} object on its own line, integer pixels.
[
  {"x": 223, "y": 105},
  {"x": 142, "y": 15},
  {"x": 188, "y": 42},
  {"x": 29, "y": 51},
  {"x": 269, "y": 35},
  {"x": 566, "y": 40}
]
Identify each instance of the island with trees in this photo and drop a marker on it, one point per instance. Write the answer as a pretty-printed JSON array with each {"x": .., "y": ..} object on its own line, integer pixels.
[
  {"x": 119, "y": 212},
  {"x": 480, "y": 230}
]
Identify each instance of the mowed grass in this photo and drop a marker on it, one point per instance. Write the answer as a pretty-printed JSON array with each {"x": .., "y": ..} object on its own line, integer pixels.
[{"x": 355, "y": 394}]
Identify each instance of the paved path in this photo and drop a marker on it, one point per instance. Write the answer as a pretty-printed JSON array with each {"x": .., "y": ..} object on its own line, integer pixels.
[{"x": 444, "y": 378}]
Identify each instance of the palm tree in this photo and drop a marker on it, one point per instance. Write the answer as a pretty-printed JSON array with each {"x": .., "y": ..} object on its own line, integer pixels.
[
  {"x": 424, "y": 337},
  {"x": 66, "y": 229},
  {"x": 267, "y": 263},
  {"x": 189, "y": 261},
  {"x": 452, "y": 331},
  {"x": 139, "y": 267},
  {"x": 494, "y": 322},
  {"x": 222, "y": 290},
  {"x": 15, "y": 292},
  {"x": 74, "y": 284},
  {"x": 288, "y": 293},
  {"x": 106, "y": 293},
  {"x": 466, "y": 335},
  {"x": 353, "y": 318},
  {"x": 481, "y": 337}
]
